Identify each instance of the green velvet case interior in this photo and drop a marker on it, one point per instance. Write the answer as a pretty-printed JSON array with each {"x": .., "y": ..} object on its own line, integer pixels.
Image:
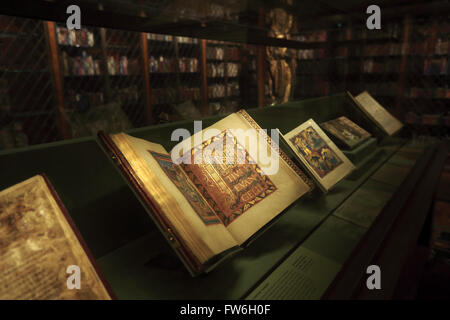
[{"x": 134, "y": 256}]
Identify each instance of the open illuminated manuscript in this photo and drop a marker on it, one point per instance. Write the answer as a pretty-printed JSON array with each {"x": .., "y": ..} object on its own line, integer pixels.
[
  {"x": 347, "y": 133},
  {"x": 38, "y": 243},
  {"x": 379, "y": 115},
  {"x": 215, "y": 190},
  {"x": 322, "y": 159}
]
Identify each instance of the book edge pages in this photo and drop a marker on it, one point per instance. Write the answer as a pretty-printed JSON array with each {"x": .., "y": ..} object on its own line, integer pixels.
[
  {"x": 184, "y": 253},
  {"x": 372, "y": 119},
  {"x": 79, "y": 237}
]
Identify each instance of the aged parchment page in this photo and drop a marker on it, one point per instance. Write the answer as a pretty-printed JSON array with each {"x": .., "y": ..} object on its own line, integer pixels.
[
  {"x": 37, "y": 245},
  {"x": 386, "y": 121}
]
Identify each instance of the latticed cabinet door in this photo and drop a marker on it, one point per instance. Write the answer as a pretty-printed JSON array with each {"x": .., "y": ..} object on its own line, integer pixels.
[{"x": 28, "y": 110}]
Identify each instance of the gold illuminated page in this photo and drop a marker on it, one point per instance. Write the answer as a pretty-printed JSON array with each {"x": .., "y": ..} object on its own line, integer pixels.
[
  {"x": 37, "y": 244},
  {"x": 382, "y": 118},
  {"x": 318, "y": 154},
  {"x": 214, "y": 207}
]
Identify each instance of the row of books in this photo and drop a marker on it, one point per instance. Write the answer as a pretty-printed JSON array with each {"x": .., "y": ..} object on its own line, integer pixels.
[
  {"x": 436, "y": 66},
  {"x": 82, "y": 65},
  {"x": 186, "y": 93},
  {"x": 306, "y": 54},
  {"x": 87, "y": 65},
  {"x": 431, "y": 66},
  {"x": 374, "y": 50},
  {"x": 428, "y": 119},
  {"x": 170, "y": 38},
  {"x": 313, "y": 67},
  {"x": 252, "y": 65},
  {"x": 121, "y": 65},
  {"x": 426, "y": 30},
  {"x": 77, "y": 38},
  {"x": 4, "y": 96},
  {"x": 442, "y": 46},
  {"x": 174, "y": 95},
  {"x": 344, "y": 67},
  {"x": 223, "y": 90},
  {"x": 223, "y": 53},
  {"x": 372, "y": 66},
  {"x": 313, "y": 36},
  {"x": 219, "y": 11},
  {"x": 384, "y": 88},
  {"x": 439, "y": 92},
  {"x": 82, "y": 101},
  {"x": 188, "y": 65},
  {"x": 305, "y": 87},
  {"x": 392, "y": 30},
  {"x": 129, "y": 94},
  {"x": 251, "y": 50},
  {"x": 165, "y": 64},
  {"x": 220, "y": 70},
  {"x": 393, "y": 49},
  {"x": 222, "y": 42},
  {"x": 115, "y": 38}
]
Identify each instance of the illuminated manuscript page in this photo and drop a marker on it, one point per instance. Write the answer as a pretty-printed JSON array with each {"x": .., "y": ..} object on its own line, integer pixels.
[
  {"x": 204, "y": 240},
  {"x": 262, "y": 201},
  {"x": 307, "y": 152},
  {"x": 37, "y": 245}
]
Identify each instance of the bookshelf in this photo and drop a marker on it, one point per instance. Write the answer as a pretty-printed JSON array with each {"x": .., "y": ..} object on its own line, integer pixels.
[
  {"x": 26, "y": 95},
  {"x": 223, "y": 70},
  {"x": 82, "y": 66},
  {"x": 124, "y": 80},
  {"x": 175, "y": 73},
  {"x": 314, "y": 67},
  {"x": 404, "y": 65}
]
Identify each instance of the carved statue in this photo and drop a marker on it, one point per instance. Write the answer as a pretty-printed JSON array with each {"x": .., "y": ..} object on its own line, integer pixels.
[{"x": 282, "y": 61}]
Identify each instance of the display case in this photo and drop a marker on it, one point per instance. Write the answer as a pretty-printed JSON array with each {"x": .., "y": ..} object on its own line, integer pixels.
[{"x": 319, "y": 248}]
